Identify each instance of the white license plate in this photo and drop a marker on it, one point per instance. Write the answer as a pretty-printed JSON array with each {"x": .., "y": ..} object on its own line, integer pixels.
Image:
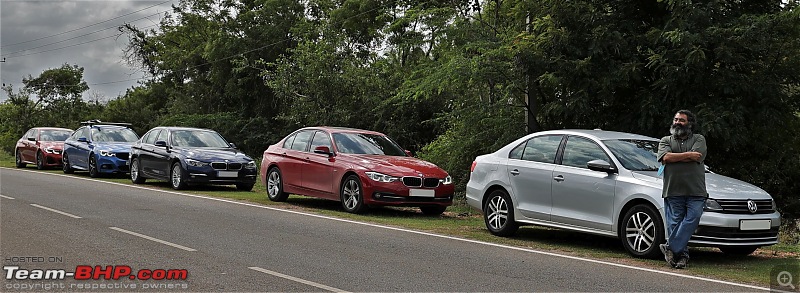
[
  {"x": 422, "y": 192},
  {"x": 755, "y": 224},
  {"x": 227, "y": 174}
]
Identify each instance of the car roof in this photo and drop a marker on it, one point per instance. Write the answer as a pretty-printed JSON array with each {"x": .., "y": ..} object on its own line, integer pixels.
[
  {"x": 599, "y": 134},
  {"x": 52, "y": 128},
  {"x": 182, "y": 128},
  {"x": 334, "y": 129}
]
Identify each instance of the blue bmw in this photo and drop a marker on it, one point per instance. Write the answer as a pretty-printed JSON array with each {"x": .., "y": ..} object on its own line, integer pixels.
[
  {"x": 183, "y": 155},
  {"x": 99, "y": 147}
]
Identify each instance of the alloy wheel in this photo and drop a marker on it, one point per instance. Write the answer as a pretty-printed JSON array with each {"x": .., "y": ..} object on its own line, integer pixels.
[
  {"x": 39, "y": 161},
  {"x": 274, "y": 184},
  {"x": 93, "y": 172},
  {"x": 176, "y": 176},
  {"x": 351, "y": 193},
  {"x": 497, "y": 212},
  {"x": 640, "y": 232}
]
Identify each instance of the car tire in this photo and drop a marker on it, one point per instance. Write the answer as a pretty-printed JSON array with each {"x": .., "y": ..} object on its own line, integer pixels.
[
  {"x": 244, "y": 186},
  {"x": 65, "y": 166},
  {"x": 498, "y": 214},
  {"x": 136, "y": 172},
  {"x": 18, "y": 160},
  {"x": 39, "y": 160},
  {"x": 738, "y": 250},
  {"x": 177, "y": 177},
  {"x": 275, "y": 185},
  {"x": 352, "y": 195},
  {"x": 93, "y": 171},
  {"x": 642, "y": 231},
  {"x": 432, "y": 210}
]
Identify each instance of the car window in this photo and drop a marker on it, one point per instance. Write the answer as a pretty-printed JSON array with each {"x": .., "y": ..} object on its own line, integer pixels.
[
  {"x": 541, "y": 148},
  {"x": 28, "y": 134},
  {"x": 162, "y": 136},
  {"x": 635, "y": 154},
  {"x": 367, "y": 143},
  {"x": 516, "y": 153},
  {"x": 54, "y": 135},
  {"x": 150, "y": 137},
  {"x": 320, "y": 139},
  {"x": 82, "y": 132},
  {"x": 579, "y": 151},
  {"x": 198, "y": 139},
  {"x": 287, "y": 144},
  {"x": 301, "y": 140},
  {"x": 113, "y": 134}
]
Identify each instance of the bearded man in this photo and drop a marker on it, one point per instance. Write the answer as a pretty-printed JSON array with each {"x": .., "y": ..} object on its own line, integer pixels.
[{"x": 682, "y": 153}]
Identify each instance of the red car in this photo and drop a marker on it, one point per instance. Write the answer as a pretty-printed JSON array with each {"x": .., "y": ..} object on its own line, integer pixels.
[
  {"x": 359, "y": 168},
  {"x": 41, "y": 146}
]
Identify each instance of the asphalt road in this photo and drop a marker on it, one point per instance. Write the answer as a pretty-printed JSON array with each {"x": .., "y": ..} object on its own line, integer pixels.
[{"x": 66, "y": 222}]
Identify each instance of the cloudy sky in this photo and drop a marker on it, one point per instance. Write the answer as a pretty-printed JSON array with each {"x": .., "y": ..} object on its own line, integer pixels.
[{"x": 40, "y": 35}]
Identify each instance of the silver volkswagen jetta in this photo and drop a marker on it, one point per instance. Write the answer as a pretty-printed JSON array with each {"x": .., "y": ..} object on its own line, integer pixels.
[{"x": 606, "y": 183}]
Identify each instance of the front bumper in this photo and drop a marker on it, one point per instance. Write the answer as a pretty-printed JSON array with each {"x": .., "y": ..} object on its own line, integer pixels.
[
  {"x": 112, "y": 165},
  {"x": 717, "y": 229},
  {"x": 51, "y": 160},
  {"x": 208, "y": 175},
  {"x": 397, "y": 194}
]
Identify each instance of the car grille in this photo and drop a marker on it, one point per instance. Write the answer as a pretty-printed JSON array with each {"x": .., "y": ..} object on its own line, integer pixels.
[
  {"x": 122, "y": 156},
  {"x": 421, "y": 182},
  {"x": 739, "y": 206},
  {"x": 226, "y": 166}
]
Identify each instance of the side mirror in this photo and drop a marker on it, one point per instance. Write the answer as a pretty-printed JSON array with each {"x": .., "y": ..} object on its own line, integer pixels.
[
  {"x": 31, "y": 138},
  {"x": 233, "y": 145},
  {"x": 408, "y": 153},
  {"x": 82, "y": 139},
  {"x": 324, "y": 150},
  {"x": 601, "y": 166},
  {"x": 161, "y": 143}
]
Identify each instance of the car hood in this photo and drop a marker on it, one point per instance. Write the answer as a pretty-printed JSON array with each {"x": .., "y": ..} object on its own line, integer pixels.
[
  {"x": 396, "y": 166},
  {"x": 718, "y": 186},
  {"x": 214, "y": 154},
  {"x": 57, "y": 145},
  {"x": 117, "y": 147}
]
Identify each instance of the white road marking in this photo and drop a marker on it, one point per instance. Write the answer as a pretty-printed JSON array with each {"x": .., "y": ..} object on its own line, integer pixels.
[
  {"x": 6, "y": 197},
  {"x": 152, "y": 239},
  {"x": 55, "y": 211},
  {"x": 318, "y": 285},
  {"x": 412, "y": 231}
]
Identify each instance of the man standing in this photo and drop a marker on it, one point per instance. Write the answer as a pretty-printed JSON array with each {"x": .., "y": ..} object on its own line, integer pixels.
[{"x": 682, "y": 154}]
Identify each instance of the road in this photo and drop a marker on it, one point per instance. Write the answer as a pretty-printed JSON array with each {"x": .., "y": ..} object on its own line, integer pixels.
[{"x": 65, "y": 222}]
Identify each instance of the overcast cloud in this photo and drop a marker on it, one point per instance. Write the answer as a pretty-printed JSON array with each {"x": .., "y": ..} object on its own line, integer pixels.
[{"x": 40, "y": 35}]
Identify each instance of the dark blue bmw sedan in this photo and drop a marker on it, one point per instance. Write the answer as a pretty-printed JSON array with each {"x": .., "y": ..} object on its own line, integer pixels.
[{"x": 183, "y": 155}]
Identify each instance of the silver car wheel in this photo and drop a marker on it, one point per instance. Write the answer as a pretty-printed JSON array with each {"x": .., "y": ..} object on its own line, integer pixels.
[
  {"x": 176, "y": 176},
  {"x": 640, "y": 231},
  {"x": 351, "y": 192},
  {"x": 273, "y": 184},
  {"x": 497, "y": 212},
  {"x": 135, "y": 170}
]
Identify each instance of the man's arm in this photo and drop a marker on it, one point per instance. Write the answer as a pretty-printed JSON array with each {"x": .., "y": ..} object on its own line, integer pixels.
[{"x": 681, "y": 157}]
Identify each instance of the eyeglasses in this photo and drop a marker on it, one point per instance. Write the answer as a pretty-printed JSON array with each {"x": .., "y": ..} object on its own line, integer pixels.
[{"x": 679, "y": 120}]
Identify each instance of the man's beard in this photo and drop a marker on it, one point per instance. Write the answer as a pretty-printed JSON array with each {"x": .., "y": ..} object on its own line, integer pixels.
[{"x": 678, "y": 130}]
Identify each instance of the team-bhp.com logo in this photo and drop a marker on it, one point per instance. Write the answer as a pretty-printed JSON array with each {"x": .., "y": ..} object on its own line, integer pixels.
[{"x": 95, "y": 273}]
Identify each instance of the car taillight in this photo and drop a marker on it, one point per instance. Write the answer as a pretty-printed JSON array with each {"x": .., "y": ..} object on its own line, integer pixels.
[{"x": 472, "y": 168}]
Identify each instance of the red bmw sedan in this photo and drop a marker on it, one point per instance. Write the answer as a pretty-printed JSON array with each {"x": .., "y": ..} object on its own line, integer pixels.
[
  {"x": 359, "y": 168},
  {"x": 41, "y": 146}
]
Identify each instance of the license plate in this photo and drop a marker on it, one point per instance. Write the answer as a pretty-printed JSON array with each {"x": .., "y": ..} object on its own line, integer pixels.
[
  {"x": 755, "y": 224},
  {"x": 422, "y": 192},
  {"x": 227, "y": 174}
]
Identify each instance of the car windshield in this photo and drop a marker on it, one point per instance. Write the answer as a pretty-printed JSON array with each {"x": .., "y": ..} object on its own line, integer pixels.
[
  {"x": 635, "y": 154},
  {"x": 369, "y": 144},
  {"x": 198, "y": 139},
  {"x": 114, "y": 135},
  {"x": 54, "y": 135}
]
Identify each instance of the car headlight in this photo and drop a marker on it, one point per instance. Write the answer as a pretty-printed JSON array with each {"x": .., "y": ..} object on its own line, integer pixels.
[
  {"x": 196, "y": 163},
  {"x": 447, "y": 180},
  {"x": 774, "y": 207},
  {"x": 250, "y": 165},
  {"x": 50, "y": 151},
  {"x": 712, "y": 205},
  {"x": 106, "y": 153},
  {"x": 381, "y": 177}
]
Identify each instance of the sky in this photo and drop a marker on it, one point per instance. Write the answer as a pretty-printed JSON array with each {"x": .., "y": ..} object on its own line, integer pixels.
[{"x": 39, "y": 35}]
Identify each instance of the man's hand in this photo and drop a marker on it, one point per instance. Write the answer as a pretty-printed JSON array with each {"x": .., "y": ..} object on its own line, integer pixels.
[
  {"x": 682, "y": 157},
  {"x": 692, "y": 157}
]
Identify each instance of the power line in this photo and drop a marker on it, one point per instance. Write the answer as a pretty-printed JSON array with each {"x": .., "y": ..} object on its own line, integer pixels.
[{"x": 83, "y": 27}]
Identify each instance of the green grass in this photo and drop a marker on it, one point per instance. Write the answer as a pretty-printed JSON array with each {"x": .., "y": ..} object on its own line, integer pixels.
[{"x": 461, "y": 221}]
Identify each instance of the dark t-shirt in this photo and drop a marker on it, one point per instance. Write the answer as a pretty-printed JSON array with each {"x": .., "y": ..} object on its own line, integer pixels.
[{"x": 683, "y": 178}]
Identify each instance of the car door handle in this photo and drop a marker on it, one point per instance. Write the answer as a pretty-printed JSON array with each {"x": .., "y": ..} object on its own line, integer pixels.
[
  {"x": 558, "y": 178},
  {"x": 514, "y": 172}
]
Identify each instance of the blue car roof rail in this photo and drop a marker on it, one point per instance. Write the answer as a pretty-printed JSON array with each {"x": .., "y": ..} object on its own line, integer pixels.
[{"x": 98, "y": 122}]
